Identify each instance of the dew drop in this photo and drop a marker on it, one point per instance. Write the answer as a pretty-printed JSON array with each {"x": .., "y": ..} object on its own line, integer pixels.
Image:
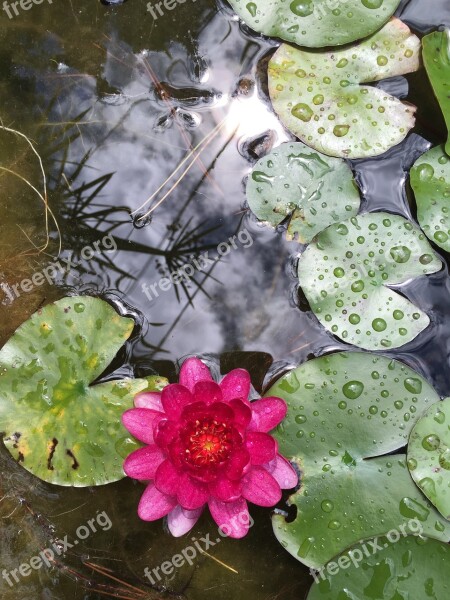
[
  {"x": 413, "y": 385},
  {"x": 327, "y": 506},
  {"x": 303, "y": 112},
  {"x": 302, "y": 8},
  {"x": 373, "y": 4},
  {"x": 431, "y": 442},
  {"x": 425, "y": 172},
  {"x": 400, "y": 254},
  {"x": 353, "y": 389},
  {"x": 341, "y": 130},
  {"x": 251, "y": 7},
  {"x": 379, "y": 325}
]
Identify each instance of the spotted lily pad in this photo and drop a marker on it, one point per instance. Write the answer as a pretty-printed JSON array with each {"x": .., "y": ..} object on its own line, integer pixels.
[
  {"x": 313, "y": 189},
  {"x": 319, "y": 96},
  {"x": 430, "y": 180},
  {"x": 316, "y": 23},
  {"x": 385, "y": 569},
  {"x": 436, "y": 57},
  {"x": 429, "y": 455},
  {"x": 346, "y": 411},
  {"x": 56, "y": 424},
  {"x": 345, "y": 272}
]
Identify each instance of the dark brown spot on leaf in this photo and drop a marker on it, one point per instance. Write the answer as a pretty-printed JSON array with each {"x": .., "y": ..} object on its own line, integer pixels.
[
  {"x": 76, "y": 464},
  {"x": 51, "y": 453}
]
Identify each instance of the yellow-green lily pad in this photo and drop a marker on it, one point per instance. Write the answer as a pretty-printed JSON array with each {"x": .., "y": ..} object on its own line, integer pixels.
[{"x": 56, "y": 424}]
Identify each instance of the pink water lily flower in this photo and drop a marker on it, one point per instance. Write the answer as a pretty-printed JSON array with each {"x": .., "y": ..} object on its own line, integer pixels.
[{"x": 206, "y": 445}]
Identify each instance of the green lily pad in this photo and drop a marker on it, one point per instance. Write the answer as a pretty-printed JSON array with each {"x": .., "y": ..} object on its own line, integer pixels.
[
  {"x": 411, "y": 568},
  {"x": 316, "y": 23},
  {"x": 345, "y": 411},
  {"x": 319, "y": 96},
  {"x": 345, "y": 271},
  {"x": 429, "y": 455},
  {"x": 56, "y": 424},
  {"x": 436, "y": 57},
  {"x": 430, "y": 180},
  {"x": 313, "y": 189}
]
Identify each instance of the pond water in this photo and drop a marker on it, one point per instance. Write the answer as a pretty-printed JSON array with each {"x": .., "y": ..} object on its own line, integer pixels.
[{"x": 114, "y": 101}]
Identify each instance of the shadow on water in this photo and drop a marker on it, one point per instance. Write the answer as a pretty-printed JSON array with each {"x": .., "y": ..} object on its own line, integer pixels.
[{"x": 116, "y": 102}]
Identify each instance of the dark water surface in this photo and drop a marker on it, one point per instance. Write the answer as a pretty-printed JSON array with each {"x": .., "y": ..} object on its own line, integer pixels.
[{"x": 114, "y": 102}]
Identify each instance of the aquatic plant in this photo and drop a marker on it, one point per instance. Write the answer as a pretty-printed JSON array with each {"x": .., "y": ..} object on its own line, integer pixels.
[
  {"x": 429, "y": 455},
  {"x": 345, "y": 272},
  {"x": 320, "y": 96},
  {"x": 312, "y": 189},
  {"x": 316, "y": 23},
  {"x": 347, "y": 412},
  {"x": 206, "y": 444},
  {"x": 57, "y": 424},
  {"x": 430, "y": 180},
  {"x": 436, "y": 58},
  {"x": 391, "y": 567}
]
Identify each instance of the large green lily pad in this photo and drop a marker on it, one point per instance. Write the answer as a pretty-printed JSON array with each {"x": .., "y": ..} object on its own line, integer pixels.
[
  {"x": 319, "y": 96},
  {"x": 430, "y": 180},
  {"x": 56, "y": 424},
  {"x": 436, "y": 57},
  {"x": 429, "y": 455},
  {"x": 412, "y": 568},
  {"x": 345, "y": 271},
  {"x": 316, "y": 23},
  {"x": 313, "y": 189},
  {"x": 346, "y": 410}
]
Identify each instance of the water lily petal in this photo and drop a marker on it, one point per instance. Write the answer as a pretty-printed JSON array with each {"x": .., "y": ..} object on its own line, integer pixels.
[
  {"x": 207, "y": 392},
  {"x": 261, "y": 446},
  {"x": 150, "y": 400},
  {"x": 282, "y": 471},
  {"x": 154, "y": 505},
  {"x": 167, "y": 478},
  {"x": 166, "y": 432},
  {"x": 193, "y": 371},
  {"x": 174, "y": 398},
  {"x": 225, "y": 489},
  {"x": 142, "y": 463},
  {"x": 141, "y": 422},
  {"x": 180, "y": 521},
  {"x": 267, "y": 413},
  {"x": 236, "y": 385},
  {"x": 238, "y": 463},
  {"x": 242, "y": 414},
  {"x": 259, "y": 487},
  {"x": 192, "y": 494},
  {"x": 232, "y": 517}
]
